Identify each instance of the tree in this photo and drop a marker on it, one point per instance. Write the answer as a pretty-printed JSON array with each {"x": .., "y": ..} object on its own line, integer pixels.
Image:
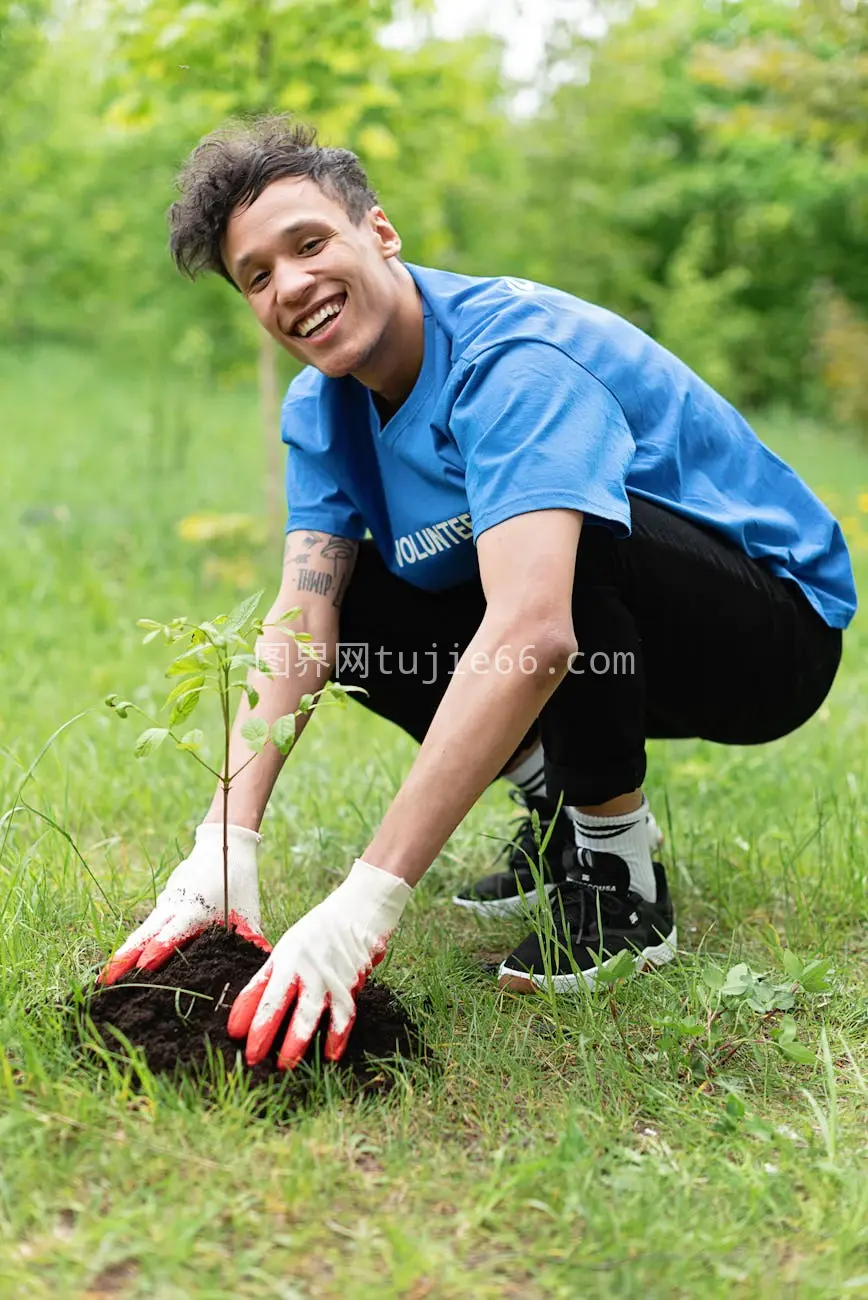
[{"x": 745, "y": 121}]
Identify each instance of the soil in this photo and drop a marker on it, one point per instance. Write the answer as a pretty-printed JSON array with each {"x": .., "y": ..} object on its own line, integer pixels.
[{"x": 156, "y": 1012}]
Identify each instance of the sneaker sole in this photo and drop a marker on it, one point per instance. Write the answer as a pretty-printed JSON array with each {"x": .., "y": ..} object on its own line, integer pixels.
[
  {"x": 502, "y": 907},
  {"x": 520, "y": 981}
]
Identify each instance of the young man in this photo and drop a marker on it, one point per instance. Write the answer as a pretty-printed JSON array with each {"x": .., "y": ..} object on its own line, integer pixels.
[{"x": 579, "y": 541}]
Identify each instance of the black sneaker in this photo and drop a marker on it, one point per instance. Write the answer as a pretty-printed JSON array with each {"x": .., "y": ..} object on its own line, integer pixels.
[
  {"x": 625, "y": 921},
  {"x": 498, "y": 894}
]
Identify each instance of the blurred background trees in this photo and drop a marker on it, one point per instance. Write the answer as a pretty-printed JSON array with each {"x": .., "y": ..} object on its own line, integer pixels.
[{"x": 699, "y": 166}]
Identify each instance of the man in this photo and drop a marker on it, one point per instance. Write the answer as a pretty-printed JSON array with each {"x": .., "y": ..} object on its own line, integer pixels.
[{"x": 579, "y": 541}]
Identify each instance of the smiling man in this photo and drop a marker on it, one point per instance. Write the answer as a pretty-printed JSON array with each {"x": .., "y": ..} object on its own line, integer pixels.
[{"x": 533, "y": 536}]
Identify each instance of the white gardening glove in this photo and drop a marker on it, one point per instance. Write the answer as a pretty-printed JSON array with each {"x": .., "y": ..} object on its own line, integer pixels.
[
  {"x": 321, "y": 962},
  {"x": 193, "y": 899}
]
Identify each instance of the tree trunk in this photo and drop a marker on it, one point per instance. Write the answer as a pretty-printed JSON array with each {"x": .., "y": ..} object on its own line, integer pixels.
[{"x": 270, "y": 424}]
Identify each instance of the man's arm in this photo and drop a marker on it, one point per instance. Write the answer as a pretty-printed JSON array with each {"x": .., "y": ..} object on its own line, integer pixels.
[
  {"x": 527, "y": 566},
  {"x": 317, "y": 568}
]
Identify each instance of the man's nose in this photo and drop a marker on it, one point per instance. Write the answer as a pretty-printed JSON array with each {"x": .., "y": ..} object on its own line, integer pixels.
[{"x": 291, "y": 283}]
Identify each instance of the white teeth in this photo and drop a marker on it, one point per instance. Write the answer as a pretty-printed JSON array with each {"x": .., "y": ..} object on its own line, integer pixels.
[{"x": 317, "y": 317}]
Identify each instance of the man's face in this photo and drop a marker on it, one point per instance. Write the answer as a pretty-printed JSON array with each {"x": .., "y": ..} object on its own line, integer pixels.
[{"x": 320, "y": 285}]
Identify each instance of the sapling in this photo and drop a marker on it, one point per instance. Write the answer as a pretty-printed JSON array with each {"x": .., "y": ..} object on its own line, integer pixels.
[{"x": 214, "y": 661}]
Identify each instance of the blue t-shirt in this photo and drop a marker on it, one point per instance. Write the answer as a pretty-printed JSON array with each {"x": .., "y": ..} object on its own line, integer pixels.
[{"x": 530, "y": 399}]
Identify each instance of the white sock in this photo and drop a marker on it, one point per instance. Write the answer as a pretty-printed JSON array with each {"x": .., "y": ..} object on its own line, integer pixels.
[
  {"x": 629, "y": 836},
  {"x": 529, "y": 775}
]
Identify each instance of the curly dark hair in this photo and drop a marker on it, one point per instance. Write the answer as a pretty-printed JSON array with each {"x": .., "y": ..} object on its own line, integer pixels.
[{"x": 232, "y": 166}]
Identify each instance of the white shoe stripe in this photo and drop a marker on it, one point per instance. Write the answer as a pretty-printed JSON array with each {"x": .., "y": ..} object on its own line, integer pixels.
[{"x": 654, "y": 955}]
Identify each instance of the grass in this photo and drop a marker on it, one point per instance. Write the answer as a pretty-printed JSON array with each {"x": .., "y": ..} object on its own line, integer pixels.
[{"x": 549, "y": 1147}]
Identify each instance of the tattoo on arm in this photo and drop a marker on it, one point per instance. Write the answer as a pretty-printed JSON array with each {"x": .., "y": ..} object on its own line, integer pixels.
[
  {"x": 329, "y": 578},
  {"x": 314, "y": 580},
  {"x": 342, "y": 553}
]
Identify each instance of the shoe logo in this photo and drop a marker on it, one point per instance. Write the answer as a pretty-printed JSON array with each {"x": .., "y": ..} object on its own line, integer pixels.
[
  {"x": 634, "y": 919},
  {"x": 593, "y": 884}
]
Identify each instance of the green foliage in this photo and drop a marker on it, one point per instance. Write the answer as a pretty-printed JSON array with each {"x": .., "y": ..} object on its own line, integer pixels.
[
  {"x": 150, "y": 740},
  {"x": 699, "y": 316},
  {"x": 117, "y": 103},
  {"x": 841, "y": 356},
  {"x": 718, "y": 1024},
  {"x": 255, "y": 732},
  {"x": 699, "y": 167},
  {"x": 215, "y": 652},
  {"x": 283, "y": 732}
]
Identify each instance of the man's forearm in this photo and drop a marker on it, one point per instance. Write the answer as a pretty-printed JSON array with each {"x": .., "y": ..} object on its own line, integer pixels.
[
  {"x": 481, "y": 719},
  {"x": 279, "y": 693}
]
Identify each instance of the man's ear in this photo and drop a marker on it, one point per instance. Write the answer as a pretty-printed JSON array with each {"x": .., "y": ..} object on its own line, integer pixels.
[{"x": 385, "y": 233}]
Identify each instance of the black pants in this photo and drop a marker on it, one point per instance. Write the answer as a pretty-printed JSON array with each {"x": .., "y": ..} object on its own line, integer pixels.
[{"x": 680, "y": 635}]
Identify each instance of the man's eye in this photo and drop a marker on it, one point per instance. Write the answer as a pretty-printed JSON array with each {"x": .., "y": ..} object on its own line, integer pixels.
[
  {"x": 259, "y": 280},
  {"x": 310, "y": 245}
]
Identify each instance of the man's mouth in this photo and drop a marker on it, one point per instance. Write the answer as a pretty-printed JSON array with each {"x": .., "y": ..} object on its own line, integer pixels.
[{"x": 321, "y": 320}]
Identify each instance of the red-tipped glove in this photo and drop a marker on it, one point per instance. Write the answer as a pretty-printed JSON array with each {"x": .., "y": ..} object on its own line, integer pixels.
[
  {"x": 321, "y": 962},
  {"x": 193, "y": 899}
]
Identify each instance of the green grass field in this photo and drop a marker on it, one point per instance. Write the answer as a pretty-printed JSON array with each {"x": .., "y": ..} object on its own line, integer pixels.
[{"x": 606, "y": 1146}]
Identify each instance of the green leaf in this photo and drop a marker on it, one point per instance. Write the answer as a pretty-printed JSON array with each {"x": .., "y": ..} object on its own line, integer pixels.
[
  {"x": 245, "y": 660},
  {"x": 252, "y": 694},
  {"x": 240, "y": 615},
  {"x": 196, "y": 680},
  {"x": 712, "y": 975},
  {"x": 149, "y": 623},
  {"x": 738, "y": 980},
  {"x": 191, "y": 740},
  {"x": 786, "y": 1030},
  {"x": 735, "y": 1106},
  {"x": 150, "y": 740},
  {"x": 188, "y": 662},
  {"x": 255, "y": 732},
  {"x": 111, "y": 700},
  {"x": 619, "y": 967},
  {"x": 306, "y": 702},
  {"x": 290, "y": 615},
  {"x": 209, "y": 632},
  {"x": 762, "y": 997},
  {"x": 122, "y": 707},
  {"x": 184, "y": 705},
  {"x": 798, "y": 1052},
  {"x": 815, "y": 976},
  {"x": 793, "y": 965},
  {"x": 283, "y": 732}
]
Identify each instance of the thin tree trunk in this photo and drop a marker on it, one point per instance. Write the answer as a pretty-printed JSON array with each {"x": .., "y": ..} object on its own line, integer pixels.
[
  {"x": 270, "y": 424},
  {"x": 269, "y": 404}
]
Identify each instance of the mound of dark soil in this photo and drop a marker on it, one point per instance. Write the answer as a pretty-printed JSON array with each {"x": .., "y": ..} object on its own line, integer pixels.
[{"x": 159, "y": 1013}]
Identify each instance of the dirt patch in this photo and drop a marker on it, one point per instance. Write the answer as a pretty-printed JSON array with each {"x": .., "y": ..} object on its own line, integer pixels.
[{"x": 161, "y": 1013}]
